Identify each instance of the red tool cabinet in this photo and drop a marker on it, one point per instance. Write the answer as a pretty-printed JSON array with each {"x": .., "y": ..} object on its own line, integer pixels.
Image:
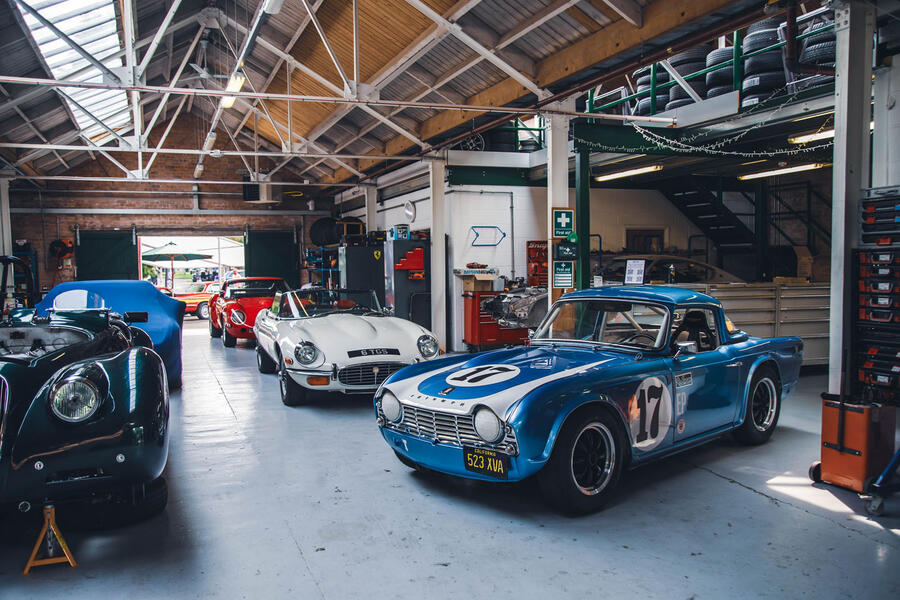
[{"x": 482, "y": 330}]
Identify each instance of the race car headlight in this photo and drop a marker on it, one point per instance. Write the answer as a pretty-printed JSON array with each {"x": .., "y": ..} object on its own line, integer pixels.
[
  {"x": 306, "y": 353},
  {"x": 75, "y": 399},
  {"x": 428, "y": 346},
  {"x": 238, "y": 317},
  {"x": 390, "y": 407},
  {"x": 488, "y": 426}
]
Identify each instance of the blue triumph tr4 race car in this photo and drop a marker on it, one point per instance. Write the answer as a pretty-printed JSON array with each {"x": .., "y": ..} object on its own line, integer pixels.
[{"x": 613, "y": 378}]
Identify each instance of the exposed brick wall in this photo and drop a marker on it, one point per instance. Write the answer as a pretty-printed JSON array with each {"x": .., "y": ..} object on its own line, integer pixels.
[{"x": 41, "y": 229}]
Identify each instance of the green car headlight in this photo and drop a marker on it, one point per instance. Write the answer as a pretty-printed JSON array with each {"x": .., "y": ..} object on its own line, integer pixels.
[{"x": 74, "y": 399}]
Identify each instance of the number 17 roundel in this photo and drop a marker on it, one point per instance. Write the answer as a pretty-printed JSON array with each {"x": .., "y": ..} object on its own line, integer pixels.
[{"x": 650, "y": 414}]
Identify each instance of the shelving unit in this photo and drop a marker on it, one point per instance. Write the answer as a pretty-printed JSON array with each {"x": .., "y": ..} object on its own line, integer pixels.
[{"x": 322, "y": 265}]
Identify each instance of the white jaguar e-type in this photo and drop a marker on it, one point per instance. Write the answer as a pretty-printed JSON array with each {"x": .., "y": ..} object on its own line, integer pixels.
[{"x": 335, "y": 340}]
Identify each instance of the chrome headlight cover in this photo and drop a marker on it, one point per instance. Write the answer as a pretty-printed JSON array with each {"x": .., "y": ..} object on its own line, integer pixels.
[
  {"x": 488, "y": 425},
  {"x": 237, "y": 316},
  {"x": 74, "y": 399},
  {"x": 391, "y": 407},
  {"x": 306, "y": 353},
  {"x": 428, "y": 346}
]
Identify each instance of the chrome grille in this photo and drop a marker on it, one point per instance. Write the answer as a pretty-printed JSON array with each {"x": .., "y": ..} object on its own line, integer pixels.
[
  {"x": 446, "y": 428},
  {"x": 369, "y": 375}
]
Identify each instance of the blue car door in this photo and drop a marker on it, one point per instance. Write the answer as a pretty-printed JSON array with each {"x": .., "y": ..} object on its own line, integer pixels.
[{"x": 706, "y": 383}]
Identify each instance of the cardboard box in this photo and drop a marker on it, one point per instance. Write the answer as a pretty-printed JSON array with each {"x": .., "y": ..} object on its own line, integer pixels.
[
  {"x": 481, "y": 282},
  {"x": 477, "y": 280},
  {"x": 804, "y": 262}
]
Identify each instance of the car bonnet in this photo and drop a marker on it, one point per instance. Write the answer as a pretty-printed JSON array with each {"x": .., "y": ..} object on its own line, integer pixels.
[
  {"x": 500, "y": 378},
  {"x": 337, "y": 333}
]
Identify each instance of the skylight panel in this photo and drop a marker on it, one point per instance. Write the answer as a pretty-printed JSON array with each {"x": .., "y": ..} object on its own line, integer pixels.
[{"x": 92, "y": 25}]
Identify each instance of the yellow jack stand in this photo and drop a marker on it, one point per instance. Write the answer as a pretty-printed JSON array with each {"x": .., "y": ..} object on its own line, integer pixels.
[{"x": 50, "y": 536}]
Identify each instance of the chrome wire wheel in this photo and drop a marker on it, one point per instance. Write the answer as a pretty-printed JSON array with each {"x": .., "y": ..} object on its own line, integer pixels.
[
  {"x": 593, "y": 459},
  {"x": 203, "y": 311},
  {"x": 764, "y": 404}
]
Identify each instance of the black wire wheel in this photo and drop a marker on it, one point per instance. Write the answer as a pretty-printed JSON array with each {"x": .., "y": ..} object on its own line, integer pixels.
[
  {"x": 764, "y": 404},
  {"x": 588, "y": 456},
  {"x": 762, "y": 409},
  {"x": 593, "y": 459}
]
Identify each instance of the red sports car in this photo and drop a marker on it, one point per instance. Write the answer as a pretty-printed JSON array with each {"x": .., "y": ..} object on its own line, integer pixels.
[
  {"x": 232, "y": 312},
  {"x": 197, "y": 297}
]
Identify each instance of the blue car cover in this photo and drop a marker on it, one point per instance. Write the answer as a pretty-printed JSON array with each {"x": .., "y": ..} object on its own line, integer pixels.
[{"x": 164, "y": 314}]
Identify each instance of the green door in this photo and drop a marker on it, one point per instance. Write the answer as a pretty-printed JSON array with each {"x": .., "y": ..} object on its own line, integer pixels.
[
  {"x": 272, "y": 254},
  {"x": 106, "y": 255}
]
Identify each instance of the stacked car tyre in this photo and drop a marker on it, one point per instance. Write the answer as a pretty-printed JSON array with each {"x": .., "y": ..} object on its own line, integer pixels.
[
  {"x": 720, "y": 81},
  {"x": 685, "y": 63},
  {"x": 642, "y": 79},
  {"x": 819, "y": 50},
  {"x": 763, "y": 73}
]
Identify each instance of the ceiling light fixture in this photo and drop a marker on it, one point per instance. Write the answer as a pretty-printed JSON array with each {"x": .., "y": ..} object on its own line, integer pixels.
[
  {"x": 234, "y": 85},
  {"x": 273, "y": 7},
  {"x": 819, "y": 135},
  {"x": 784, "y": 171},
  {"x": 629, "y": 173}
]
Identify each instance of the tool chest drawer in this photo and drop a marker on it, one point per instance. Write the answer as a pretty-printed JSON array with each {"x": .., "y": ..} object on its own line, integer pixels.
[
  {"x": 879, "y": 217},
  {"x": 879, "y": 300},
  {"x": 878, "y": 285},
  {"x": 879, "y": 258}
]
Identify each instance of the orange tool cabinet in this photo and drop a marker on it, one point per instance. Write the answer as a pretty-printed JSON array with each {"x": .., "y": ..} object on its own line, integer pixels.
[{"x": 857, "y": 442}]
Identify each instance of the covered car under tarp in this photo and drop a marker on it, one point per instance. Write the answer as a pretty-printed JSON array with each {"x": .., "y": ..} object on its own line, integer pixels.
[{"x": 164, "y": 314}]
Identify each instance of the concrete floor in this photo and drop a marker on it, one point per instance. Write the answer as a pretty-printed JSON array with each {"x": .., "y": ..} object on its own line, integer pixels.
[{"x": 271, "y": 502}]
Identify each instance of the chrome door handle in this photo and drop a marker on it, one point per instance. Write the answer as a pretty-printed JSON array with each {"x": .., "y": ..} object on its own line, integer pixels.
[{"x": 735, "y": 364}]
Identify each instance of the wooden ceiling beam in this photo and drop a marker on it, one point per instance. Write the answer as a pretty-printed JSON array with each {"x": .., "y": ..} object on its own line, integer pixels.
[{"x": 659, "y": 18}]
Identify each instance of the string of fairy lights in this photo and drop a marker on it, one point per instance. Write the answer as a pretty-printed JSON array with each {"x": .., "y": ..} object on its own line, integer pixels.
[{"x": 686, "y": 144}]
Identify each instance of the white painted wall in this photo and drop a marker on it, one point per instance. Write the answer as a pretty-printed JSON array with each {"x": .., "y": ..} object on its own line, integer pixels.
[{"x": 613, "y": 211}]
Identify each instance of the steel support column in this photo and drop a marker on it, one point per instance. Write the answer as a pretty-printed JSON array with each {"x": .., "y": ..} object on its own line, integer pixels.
[
  {"x": 854, "y": 27},
  {"x": 437, "y": 173},
  {"x": 557, "y": 175},
  {"x": 885, "y": 151},
  {"x": 583, "y": 217},
  {"x": 371, "y": 195},
  {"x": 5, "y": 230},
  {"x": 5, "y": 227}
]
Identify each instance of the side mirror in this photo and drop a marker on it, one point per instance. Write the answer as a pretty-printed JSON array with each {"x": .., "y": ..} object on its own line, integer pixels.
[
  {"x": 531, "y": 333},
  {"x": 388, "y": 311},
  {"x": 136, "y": 317},
  {"x": 682, "y": 348},
  {"x": 739, "y": 336}
]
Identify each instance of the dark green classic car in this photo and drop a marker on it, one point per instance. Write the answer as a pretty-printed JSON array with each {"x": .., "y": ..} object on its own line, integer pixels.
[{"x": 84, "y": 410}]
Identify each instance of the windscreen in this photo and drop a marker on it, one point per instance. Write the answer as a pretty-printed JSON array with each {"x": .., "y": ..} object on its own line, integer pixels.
[
  {"x": 195, "y": 288},
  {"x": 629, "y": 324},
  {"x": 315, "y": 302},
  {"x": 78, "y": 299},
  {"x": 254, "y": 288}
]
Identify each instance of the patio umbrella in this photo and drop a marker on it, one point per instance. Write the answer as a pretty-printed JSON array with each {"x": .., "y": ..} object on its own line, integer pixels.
[{"x": 172, "y": 252}]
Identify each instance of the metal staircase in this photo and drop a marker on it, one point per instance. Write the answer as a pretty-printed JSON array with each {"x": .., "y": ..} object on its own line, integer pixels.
[{"x": 705, "y": 209}]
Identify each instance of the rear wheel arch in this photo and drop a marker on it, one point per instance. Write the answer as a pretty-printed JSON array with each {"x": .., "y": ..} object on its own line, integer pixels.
[{"x": 765, "y": 362}]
